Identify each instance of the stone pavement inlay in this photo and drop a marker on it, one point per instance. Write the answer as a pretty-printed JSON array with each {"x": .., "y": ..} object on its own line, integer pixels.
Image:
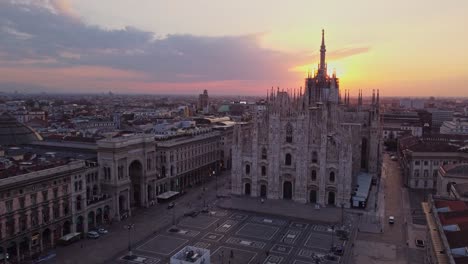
[
  {"x": 268, "y": 220},
  {"x": 226, "y": 226},
  {"x": 257, "y": 231},
  {"x": 212, "y": 237},
  {"x": 245, "y": 242},
  {"x": 291, "y": 236},
  {"x": 282, "y": 249},
  {"x": 299, "y": 225},
  {"x": 199, "y": 222},
  {"x": 222, "y": 255},
  {"x": 273, "y": 260},
  {"x": 161, "y": 244}
]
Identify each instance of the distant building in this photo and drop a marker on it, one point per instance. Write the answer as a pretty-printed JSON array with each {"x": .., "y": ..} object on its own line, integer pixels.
[
  {"x": 455, "y": 126},
  {"x": 412, "y": 103},
  {"x": 439, "y": 117},
  {"x": 421, "y": 157},
  {"x": 203, "y": 102}
]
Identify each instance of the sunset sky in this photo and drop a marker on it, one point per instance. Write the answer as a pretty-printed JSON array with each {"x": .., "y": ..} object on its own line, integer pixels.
[{"x": 407, "y": 48}]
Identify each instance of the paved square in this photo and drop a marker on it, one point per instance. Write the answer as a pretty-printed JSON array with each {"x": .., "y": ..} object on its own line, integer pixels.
[
  {"x": 273, "y": 260},
  {"x": 161, "y": 244},
  {"x": 298, "y": 225},
  {"x": 319, "y": 241},
  {"x": 257, "y": 231},
  {"x": 268, "y": 220},
  {"x": 245, "y": 242},
  {"x": 184, "y": 232},
  {"x": 253, "y": 238},
  {"x": 226, "y": 226},
  {"x": 140, "y": 259},
  {"x": 240, "y": 217},
  {"x": 222, "y": 255},
  {"x": 212, "y": 237},
  {"x": 290, "y": 236},
  {"x": 202, "y": 245},
  {"x": 199, "y": 222},
  {"x": 281, "y": 249}
]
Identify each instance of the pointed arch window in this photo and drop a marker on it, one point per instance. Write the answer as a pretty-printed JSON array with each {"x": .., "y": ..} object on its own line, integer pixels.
[
  {"x": 247, "y": 169},
  {"x": 288, "y": 159},
  {"x": 332, "y": 176},
  {"x": 264, "y": 154},
  {"x": 314, "y": 157},
  {"x": 289, "y": 133}
]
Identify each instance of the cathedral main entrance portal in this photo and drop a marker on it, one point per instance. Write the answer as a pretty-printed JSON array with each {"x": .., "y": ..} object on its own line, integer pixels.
[
  {"x": 287, "y": 190},
  {"x": 313, "y": 196},
  {"x": 247, "y": 189},
  {"x": 263, "y": 191}
]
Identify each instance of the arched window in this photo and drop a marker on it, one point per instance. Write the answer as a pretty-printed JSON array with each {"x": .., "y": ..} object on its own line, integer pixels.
[
  {"x": 247, "y": 169},
  {"x": 313, "y": 175},
  {"x": 314, "y": 157},
  {"x": 289, "y": 133},
  {"x": 264, "y": 154},
  {"x": 263, "y": 170},
  {"x": 288, "y": 159},
  {"x": 332, "y": 176}
]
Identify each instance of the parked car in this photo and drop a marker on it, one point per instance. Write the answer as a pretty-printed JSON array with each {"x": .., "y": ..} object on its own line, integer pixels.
[
  {"x": 93, "y": 235},
  {"x": 391, "y": 220},
  {"x": 170, "y": 205},
  {"x": 419, "y": 243},
  {"x": 102, "y": 231},
  {"x": 394, "y": 158},
  {"x": 192, "y": 213}
]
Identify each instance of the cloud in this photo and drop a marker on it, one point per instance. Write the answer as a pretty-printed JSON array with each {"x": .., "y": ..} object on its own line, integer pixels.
[{"x": 49, "y": 34}]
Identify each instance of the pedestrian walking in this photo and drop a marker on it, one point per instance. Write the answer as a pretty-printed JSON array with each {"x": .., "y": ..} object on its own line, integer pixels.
[{"x": 232, "y": 254}]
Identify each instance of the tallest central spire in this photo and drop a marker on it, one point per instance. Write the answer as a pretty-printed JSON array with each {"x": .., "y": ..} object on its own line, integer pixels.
[{"x": 323, "y": 50}]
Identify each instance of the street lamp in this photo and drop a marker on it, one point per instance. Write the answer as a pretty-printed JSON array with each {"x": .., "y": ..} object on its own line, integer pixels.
[
  {"x": 333, "y": 234},
  {"x": 216, "y": 180},
  {"x": 129, "y": 227}
]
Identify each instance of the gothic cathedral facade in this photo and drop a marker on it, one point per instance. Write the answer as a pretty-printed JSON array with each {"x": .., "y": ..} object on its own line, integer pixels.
[{"x": 309, "y": 147}]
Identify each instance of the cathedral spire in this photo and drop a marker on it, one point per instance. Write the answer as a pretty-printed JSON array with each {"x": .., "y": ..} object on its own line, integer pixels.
[{"x": 323, "y": 50}]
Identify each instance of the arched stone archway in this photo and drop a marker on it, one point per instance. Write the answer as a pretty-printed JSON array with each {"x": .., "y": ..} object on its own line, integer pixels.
[
  {"x": 46, "y": 238},
  {"x": 331, "y": 198},
  {"x": 263, "y": 191},
  {"x": 91, "y": 222},
  {"x": 313, "y": 196},
  {"x": 99, "y": 216},
  {"x": 106, "y": 213},
  {"x": 24, "y": 247},
  {"x": 80, "y": 224},
  {"x": 11, "y": 250},
  {"x": 122, "y": 203},
  {"x": 136, "y": 173},
  {"x": 247, "y": 190},
  {"x": 150, "y": 192},
  {"x": 287, "y": 190},
  {"x": 66, "y": 228}
]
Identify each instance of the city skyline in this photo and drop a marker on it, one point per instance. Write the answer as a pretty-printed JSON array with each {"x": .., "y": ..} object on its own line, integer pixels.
[{"x": 161, "y": 48}]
